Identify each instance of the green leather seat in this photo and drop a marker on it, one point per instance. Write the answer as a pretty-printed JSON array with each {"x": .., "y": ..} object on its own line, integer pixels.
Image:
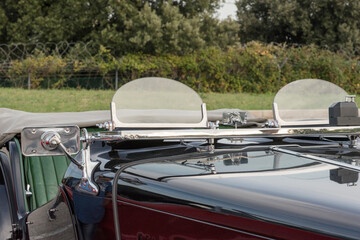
[{"x": 44, "y": 174}]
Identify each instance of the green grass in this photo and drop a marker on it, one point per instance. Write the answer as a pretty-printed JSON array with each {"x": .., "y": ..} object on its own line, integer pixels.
[
  {"x": 73, "y": 100},
  {"x": 245, "y": 101}
]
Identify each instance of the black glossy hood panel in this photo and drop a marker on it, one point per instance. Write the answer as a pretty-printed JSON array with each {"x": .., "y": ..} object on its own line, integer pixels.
[
  {"x": 265, "y": 185},
  {"x": 303, "y": 197}
]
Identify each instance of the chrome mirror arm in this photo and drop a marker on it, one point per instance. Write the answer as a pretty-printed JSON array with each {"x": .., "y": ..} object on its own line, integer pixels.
[
  {"x": 51, "y": 140},
  {"x": 73, "y": 160}
]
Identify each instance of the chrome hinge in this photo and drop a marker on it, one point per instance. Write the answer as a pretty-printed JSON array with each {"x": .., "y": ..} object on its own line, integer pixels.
[
  {"x": 28, "y": 193},
  {"x": 16, "y": 232}
]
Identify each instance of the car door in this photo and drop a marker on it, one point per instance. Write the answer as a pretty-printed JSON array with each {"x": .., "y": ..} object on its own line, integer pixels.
[{"x": 52, "y": 220}]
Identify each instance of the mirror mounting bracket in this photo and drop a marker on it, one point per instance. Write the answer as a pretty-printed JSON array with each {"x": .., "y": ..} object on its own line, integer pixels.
[{"x": 87, "y": 184}]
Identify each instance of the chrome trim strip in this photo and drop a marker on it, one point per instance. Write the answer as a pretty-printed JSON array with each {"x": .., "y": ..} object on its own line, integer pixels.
[
  {"x": 318, "y": 159},
  {"x": 225, "y": 133}
]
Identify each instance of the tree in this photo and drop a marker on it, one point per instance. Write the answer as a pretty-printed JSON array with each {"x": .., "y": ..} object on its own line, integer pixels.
[
  {"x": 3, "y": 23},
  {"x": 19, "y": 17},
  {"x": 331, "y": 23},
  {"x": 126, "y": 26},
  {"x": 219, "y": 33},
  {"x": 272, "y": 20},
  {"x": 158, "y": 27},
  {"x": 188, "y": 8}
]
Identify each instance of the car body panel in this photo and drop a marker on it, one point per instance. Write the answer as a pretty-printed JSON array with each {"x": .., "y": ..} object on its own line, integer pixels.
[{"x": 279, "y": 192}]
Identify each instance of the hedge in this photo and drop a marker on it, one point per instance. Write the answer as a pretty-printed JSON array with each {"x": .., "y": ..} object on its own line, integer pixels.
[{"x": 253, "y": 68}]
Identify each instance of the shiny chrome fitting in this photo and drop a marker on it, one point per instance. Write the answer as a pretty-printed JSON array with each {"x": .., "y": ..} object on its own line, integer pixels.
[{"x": 109, "y": 125}]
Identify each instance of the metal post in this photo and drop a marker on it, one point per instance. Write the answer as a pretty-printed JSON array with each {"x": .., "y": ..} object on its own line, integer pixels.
[
  {"x": 117, "y": 75},
  {"x": 29, "y": 80},
  {"x": 116, "y": 78}
]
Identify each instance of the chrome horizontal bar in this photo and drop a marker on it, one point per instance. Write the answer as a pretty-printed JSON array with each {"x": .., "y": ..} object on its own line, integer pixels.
[
  {"x": 318, "y": 159},
  {"x": 225, "y": 133}
]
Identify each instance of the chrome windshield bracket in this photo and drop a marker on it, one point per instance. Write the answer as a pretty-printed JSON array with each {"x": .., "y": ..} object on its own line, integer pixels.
[
  {"x": 234, "y": 118},
  {"x": 353, "y": 141},
  {"x": 211, "y": 147},
  {"x": 109, "y": 125}
]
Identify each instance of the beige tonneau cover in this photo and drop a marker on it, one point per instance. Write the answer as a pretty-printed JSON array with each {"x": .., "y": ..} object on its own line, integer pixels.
[{"x": 13, "y": 121}]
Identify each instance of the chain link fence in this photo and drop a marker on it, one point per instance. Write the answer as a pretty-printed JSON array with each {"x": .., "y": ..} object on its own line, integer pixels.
[
  {"x": 252, "y": 67},
  {"x": 53, "y": 65}
]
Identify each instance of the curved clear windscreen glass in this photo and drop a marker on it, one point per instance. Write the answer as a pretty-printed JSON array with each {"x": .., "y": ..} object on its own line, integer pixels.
[
  {"x": 307, "y": 99},
  {"x": 157, "y": 100}
]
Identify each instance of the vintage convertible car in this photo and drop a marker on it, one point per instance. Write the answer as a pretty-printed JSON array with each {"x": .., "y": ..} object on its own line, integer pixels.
[{"x": 163, "y": 167}]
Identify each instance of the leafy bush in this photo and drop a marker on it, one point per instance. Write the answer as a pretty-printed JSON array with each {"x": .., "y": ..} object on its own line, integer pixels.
[{"x": 254, "y": 68}]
